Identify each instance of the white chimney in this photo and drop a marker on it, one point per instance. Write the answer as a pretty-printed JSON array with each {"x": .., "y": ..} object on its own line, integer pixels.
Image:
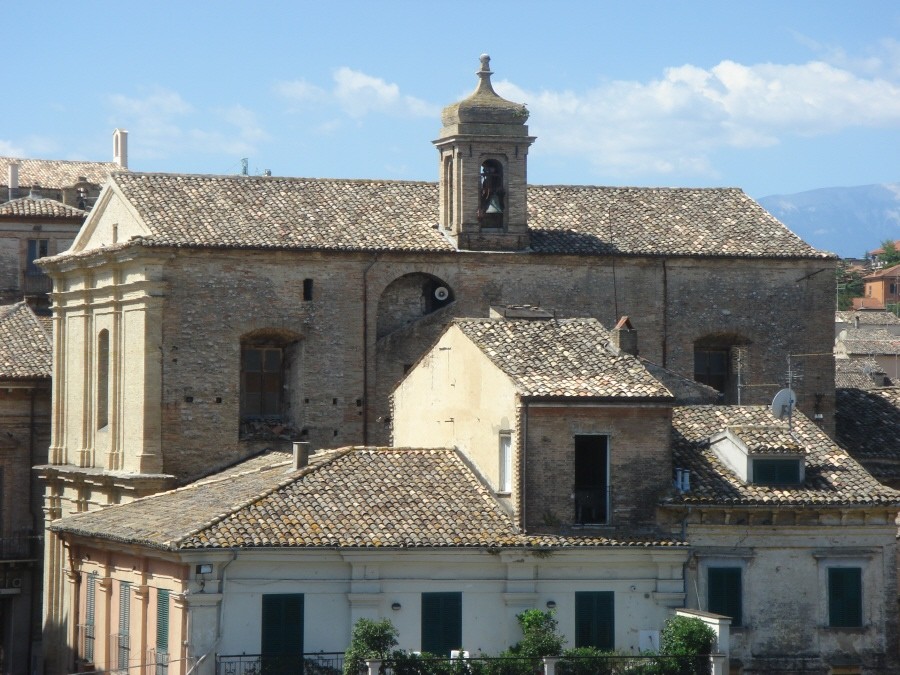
[
  {"x": 120, "y": 148},
  {"x": 13, "y": 181},
  {"x": 301, "y": 455}
]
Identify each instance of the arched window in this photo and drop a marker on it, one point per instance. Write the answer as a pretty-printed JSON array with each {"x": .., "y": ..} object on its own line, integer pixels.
[
  {"x": 408, "y": 298},
  {"x": 103, "y": 379},
  {"x": 492, "y": 199}
]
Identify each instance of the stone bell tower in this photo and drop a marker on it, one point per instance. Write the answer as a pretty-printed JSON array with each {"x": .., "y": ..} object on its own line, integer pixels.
[{"x": 483, "y": 148}]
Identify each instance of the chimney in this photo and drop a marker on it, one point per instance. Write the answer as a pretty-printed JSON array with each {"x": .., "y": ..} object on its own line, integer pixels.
[
  {"x": 120, "y": 148},
  {"x": 13, "y": 181},
  {"x": 856, "y": 321},
  {"x": 301, "y": 455},
  {"x": 624, "y": 337}
]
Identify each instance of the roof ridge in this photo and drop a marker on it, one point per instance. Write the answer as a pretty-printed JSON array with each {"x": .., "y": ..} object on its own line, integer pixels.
[{"x": 291, "y": 477}]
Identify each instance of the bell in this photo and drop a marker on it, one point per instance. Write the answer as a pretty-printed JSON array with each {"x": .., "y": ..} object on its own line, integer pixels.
[{"x": 494, "y": 205}]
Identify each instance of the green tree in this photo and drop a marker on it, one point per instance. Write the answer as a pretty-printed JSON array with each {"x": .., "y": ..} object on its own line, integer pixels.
[
  {"x": 370, "y": 640},
  {"x": 890, "y": 255},
  {"x": 540, "y": 635},
  {"x": 687, "y": 636},
  {"x": 849, "y": 285}
]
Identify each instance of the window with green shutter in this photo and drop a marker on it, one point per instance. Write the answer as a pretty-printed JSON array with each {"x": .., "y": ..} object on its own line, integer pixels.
[
  {"x": 595, "y": 620},
  {"x": 441, "y": 622},
  {"x": 724, "y": 592},
  {"x": 162, "y": 620},
  {"x": 776, "y": 471},
  {"x": 845, "y": 597},
  {"x": 282, "y": 623}
]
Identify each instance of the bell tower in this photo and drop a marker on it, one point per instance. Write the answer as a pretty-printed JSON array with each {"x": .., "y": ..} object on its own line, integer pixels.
[{"x": 483, "y": 150}]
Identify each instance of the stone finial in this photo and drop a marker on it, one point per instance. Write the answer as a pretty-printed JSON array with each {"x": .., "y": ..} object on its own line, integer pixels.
[{"x": 484, "y": 75}]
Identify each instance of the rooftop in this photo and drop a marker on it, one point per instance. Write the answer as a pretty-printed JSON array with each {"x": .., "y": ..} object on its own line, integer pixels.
[
  {"x": 868, "y": 317},
  {"x": 868, "y": 341},
  {"x": 868, "y": 422},
  {"x": 562, "y": 358},
  {"x": 55, "y": 173},
  {"x": 833, "y": 477},
  {"x": 25, "y": 349},
  {"x": 346, "y": 498},
  {"x": 371, "y": 215},
  {"x": 40, "y": 208}
]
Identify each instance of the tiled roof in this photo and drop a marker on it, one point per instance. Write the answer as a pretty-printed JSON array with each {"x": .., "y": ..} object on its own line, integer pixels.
[
  {"x": 561, "y": 358},
  {"x": 29, "y": 207},
  {"x": 832, "y": 476},
  {"x": 55, "y": 173},
  {"x": 347, "y": 498},
  {"x": 767, "y": 439},
  {"x": 25, "y": 350},
  {"x": 885, "y": 272},
  {"x": 858, "y": 373},
  {"x": 869, "y": 341},
  {"x": 867, "y": 423},
  {"x": 371, "y": 215},
  {"x": 868, "y": 318}
]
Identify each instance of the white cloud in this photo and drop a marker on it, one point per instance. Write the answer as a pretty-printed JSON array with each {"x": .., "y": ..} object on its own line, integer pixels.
[
  {"x": 676, "y": 123},
  {"x": 163, "y": 123},
  {"x": 357, "y": 94}
]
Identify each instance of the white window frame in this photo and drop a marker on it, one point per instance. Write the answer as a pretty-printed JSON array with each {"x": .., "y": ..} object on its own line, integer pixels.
[{"x": 505, "y": 463}]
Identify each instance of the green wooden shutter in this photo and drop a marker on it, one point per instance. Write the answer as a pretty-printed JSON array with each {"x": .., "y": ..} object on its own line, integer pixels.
[
  {"x": 595, "y": 620},
  {"x": 845, "y": 596},
  {"x": 162, "y": 621},
  {"x": 282, "y": 624},
  {"x": 724, "y": 592},
  {"x": 441, "y": 622}
]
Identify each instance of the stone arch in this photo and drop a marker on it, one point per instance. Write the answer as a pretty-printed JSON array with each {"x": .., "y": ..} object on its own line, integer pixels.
[
  {"x": 722, "y": 361},
  {"x": 409, "y": 298}
]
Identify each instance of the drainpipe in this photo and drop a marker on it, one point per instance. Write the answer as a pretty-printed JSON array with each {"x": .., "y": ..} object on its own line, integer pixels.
[{"x": 523, "y": 444}]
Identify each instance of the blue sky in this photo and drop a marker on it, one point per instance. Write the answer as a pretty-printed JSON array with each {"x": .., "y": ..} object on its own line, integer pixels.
[{"x": 773, "y": 97}]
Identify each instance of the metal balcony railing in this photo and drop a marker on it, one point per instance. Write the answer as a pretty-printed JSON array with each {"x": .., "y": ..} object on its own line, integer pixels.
[
  {"x": 86, "y": 642},
  {"x": 318, "y": 663},
  {"x": 36, "y": 283}
]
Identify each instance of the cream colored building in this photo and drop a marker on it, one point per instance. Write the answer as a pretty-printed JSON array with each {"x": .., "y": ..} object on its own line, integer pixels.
[{"x": 201, "y": 319}]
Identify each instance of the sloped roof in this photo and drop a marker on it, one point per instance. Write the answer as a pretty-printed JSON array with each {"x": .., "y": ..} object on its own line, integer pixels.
[
  {"x": 30, "y": 207},
  {"x": 892, "y": 271},
  {"x": 55, "y": 173},
  {"x": 561, "y": 358},
  {"x": 869, "y": 341},
  {"x": 868, "y": 317},
  {"x": 867, "y": 423},
  {"x": 859, "y": 373},
  {"x": 833, "y": 477},
  {"x": 346, "y": 498},
  {"x": 372, "y": 215},
  {"x": 25, "y": 349},
  {"x": 767, "y": 439}
]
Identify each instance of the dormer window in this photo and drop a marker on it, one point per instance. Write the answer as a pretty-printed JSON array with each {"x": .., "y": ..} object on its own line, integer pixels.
[
  {"x": 761, "y": 455},
  {"x": 776, "y": 471},
  {"x": 492, "y": 201}
]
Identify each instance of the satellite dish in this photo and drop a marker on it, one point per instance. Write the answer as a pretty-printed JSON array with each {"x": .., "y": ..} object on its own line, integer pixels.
[
  {"x": 784, "y": 403},
  {"x": 441, "y": 293}
]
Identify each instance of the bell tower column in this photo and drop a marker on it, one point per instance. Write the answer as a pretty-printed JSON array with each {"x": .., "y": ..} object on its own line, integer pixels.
[{"x": 483, "y": 150}]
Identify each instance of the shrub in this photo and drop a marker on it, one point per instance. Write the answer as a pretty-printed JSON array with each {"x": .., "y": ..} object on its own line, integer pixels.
[
  {"x": 539, "y": 635},
  {"x": 687, "y": 636},
  {"x": 370, "y": 640}
]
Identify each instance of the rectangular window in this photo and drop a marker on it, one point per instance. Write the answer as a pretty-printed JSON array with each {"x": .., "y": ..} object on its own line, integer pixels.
[
  {"x": 711, "y": 367},
  {"x": 776, "y": 471},
  {"x": 90, "y": 617},
  {"x": 505, "y": 478},
  {"x": 307, "y": 289},
  {"x": 724, "y": 592},
  {"x": 591, "y": 479},
  {"x": 845, "y": 597},
  {"x": 282, "y": 633},
  {"x": 37, "y": 248},
  {"x": 162, "y": 631},
  {"x": 595, "y": 620},
  {"x": 441, "y": 622},
  {"x": 103, "y": 379},
  {"x": 262, "y": 381},
  {"x": 123, "y": 638}
]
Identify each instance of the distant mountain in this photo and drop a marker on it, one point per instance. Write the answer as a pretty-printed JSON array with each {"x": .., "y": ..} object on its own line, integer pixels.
[{"x": 845, "y": 220}]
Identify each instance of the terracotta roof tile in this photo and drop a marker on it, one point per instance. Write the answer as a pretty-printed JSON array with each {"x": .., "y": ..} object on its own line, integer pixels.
[
  {"x": 25, "y": 349},
  {"x": 346, "y": 498},
  {"x": 56, "y": 173},
  {"x": 561, "y": 358},
  {"x": 832, "y": 476},
  {"x": 868, "y": 422},
  {"x": 868, "y": 317},
  {"x": 29, "y": 207},
  {"x": 869, "y": 341},
  {"x": 371, "y": 215},
  {"x": 859, "y": 373},
  {"x": 767, "y": 439}
]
